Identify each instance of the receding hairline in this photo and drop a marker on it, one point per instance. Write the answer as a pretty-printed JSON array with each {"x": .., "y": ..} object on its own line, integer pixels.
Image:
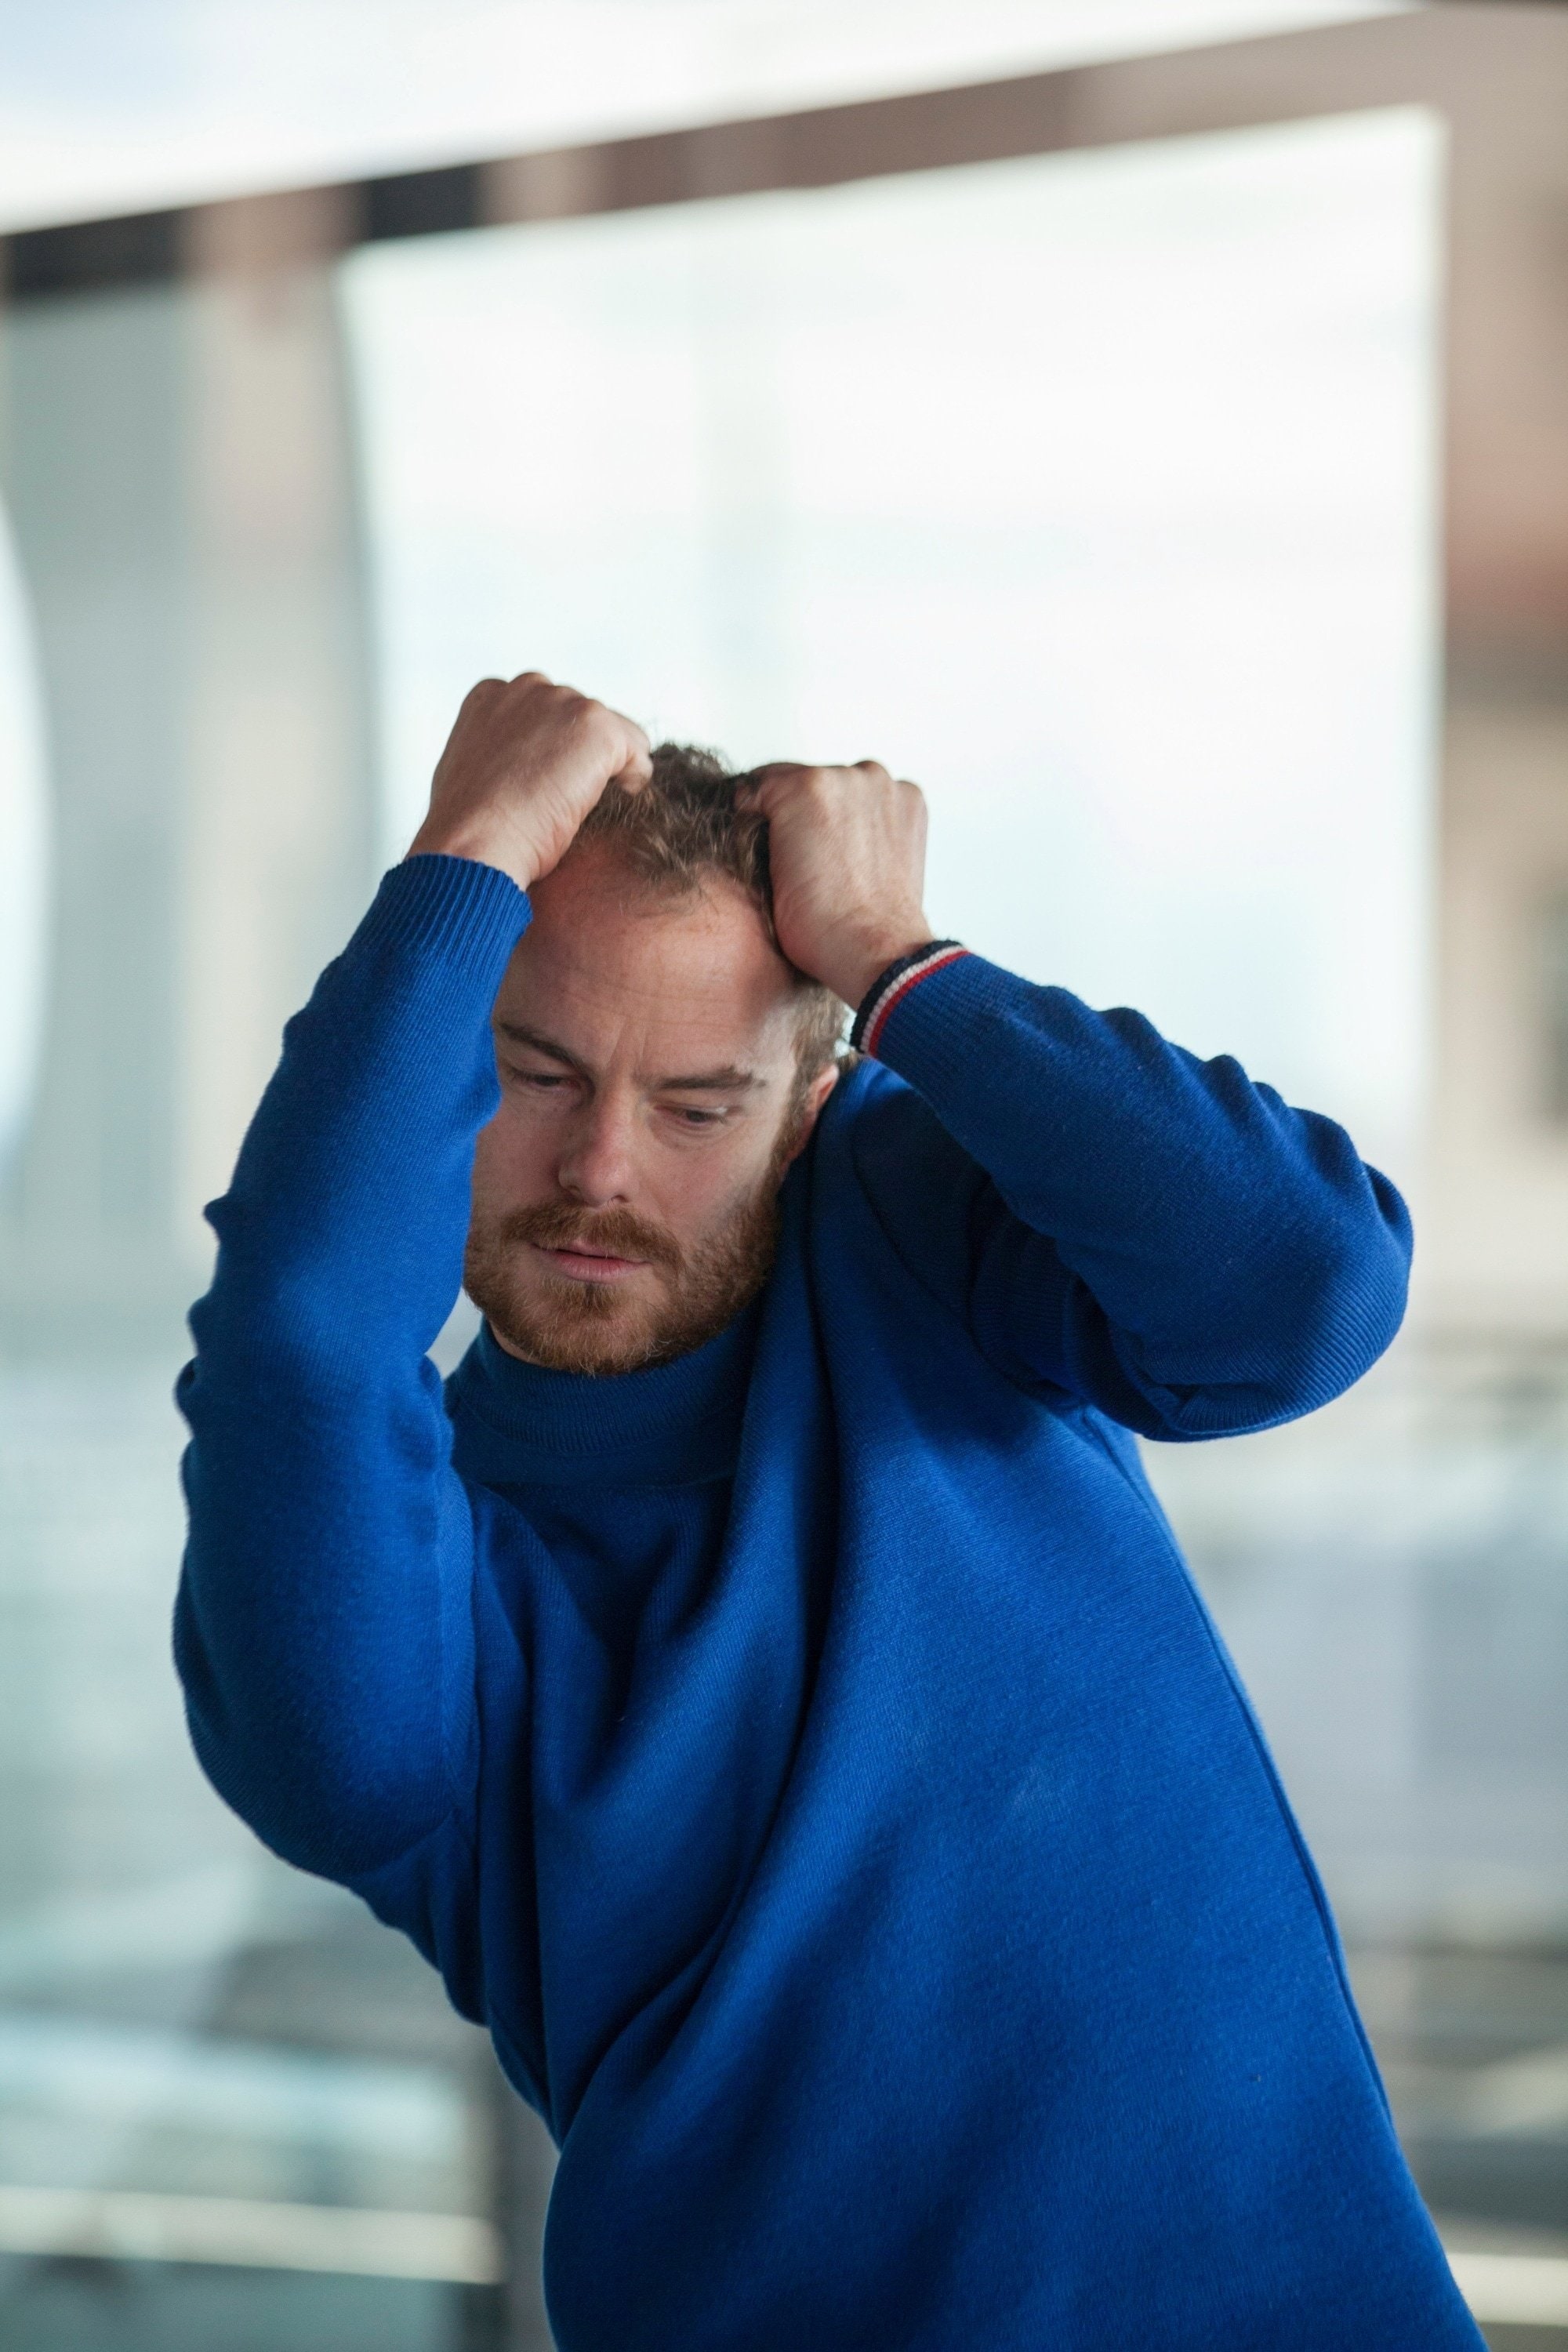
[
  {"x": 683, "y": 829},
  {"x": 815, "y": 1013}
]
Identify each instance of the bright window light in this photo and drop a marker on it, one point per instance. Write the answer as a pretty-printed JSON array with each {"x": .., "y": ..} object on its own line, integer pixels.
[{"x": 1095, "y": 492}]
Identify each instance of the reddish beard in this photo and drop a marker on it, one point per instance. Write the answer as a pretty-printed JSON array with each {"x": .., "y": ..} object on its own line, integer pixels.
[{"x": 568, "y": 1325}]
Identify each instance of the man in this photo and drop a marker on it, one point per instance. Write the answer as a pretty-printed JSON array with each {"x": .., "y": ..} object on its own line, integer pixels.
[{"x": 766, "y": 1686}]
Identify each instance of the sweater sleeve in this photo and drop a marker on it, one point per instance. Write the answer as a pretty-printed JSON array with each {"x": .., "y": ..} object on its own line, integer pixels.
[
  {"x": 323, "y": 1630},
  {"x": 1155, "y": 1235}
]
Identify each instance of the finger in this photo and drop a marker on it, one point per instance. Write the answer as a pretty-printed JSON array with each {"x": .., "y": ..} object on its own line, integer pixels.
[
  {"x": 636, "y": 769},
  {"x": 759, "y": 789},
  {"x": 873, "y": 768}
]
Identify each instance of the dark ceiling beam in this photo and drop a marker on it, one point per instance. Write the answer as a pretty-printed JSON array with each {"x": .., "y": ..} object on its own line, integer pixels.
[{"x": 1029, "y": 114}]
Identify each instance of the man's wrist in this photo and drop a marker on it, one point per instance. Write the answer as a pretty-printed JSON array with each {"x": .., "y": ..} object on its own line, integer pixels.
[{"x": 858, "y": 964}]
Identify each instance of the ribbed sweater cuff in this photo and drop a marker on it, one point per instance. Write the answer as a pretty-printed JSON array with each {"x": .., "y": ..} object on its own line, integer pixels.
[
  {"x": 469, "y": 915},
  {"x": 931, "y": 1032},
  {"x": 893, "y": 985}
]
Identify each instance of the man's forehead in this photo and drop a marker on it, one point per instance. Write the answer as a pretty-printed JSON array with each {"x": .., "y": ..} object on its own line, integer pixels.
[
  {"x": 666, "y": 1004},
  {"x": 698, "y": 967}
]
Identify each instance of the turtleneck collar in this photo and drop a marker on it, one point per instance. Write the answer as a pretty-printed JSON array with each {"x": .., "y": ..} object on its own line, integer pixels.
[{"x": 674, "y": 1425}]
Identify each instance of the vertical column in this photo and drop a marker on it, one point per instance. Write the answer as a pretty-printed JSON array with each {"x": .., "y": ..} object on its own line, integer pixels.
[
  {"x": 178, "y": 460},
  {"x": 278, "y": 817},
  {"x": 95, "y": 411},
  {"x": 1496, "y": 1239}
]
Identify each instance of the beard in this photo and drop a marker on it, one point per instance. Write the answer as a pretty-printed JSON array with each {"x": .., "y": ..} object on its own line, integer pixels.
[{"x": 567, "y": 1325}]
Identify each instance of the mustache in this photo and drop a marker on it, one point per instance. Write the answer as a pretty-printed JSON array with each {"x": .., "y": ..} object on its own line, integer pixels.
[{"x": 558, "y": 1225}]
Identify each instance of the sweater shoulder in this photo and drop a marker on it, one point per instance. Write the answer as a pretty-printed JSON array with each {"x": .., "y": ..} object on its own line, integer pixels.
[{"x": 894, "y": 1136}]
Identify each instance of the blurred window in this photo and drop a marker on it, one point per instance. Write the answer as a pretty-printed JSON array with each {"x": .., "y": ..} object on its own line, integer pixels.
[{"x": 1094, "y": 491}]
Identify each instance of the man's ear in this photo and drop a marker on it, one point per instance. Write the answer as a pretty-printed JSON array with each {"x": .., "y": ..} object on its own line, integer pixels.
[{"x": 816, "y": 1094}]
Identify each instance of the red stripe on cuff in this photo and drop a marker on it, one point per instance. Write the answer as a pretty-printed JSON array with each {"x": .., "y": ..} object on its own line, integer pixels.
[{"x": 902, "y": 989}]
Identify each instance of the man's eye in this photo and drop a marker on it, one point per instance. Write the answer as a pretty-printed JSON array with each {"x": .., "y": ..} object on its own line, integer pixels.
[
  {"x": 538, "y": 1077},
  {"x": 686, "y": 1117}
]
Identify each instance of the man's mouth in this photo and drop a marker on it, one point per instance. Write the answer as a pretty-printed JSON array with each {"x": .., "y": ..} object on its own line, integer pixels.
[{"x": 583, "y": 1263}]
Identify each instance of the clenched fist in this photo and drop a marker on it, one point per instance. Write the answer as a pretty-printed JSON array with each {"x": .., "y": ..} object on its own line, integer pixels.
[
  {"x": 846, "y": 847},
  {"x": 523, "y": 765}
]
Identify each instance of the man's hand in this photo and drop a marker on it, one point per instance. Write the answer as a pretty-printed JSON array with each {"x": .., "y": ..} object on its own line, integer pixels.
[
  {"x": 846, "y": 847},
  {"x": 523, "y": 765}
]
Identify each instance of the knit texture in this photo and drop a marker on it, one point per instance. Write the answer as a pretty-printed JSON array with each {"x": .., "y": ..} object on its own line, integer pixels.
[{"x": 812, "y": 1760}]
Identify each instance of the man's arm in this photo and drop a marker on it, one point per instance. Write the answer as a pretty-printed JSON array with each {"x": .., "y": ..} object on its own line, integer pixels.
[
  {"x": 324, "y": 1627},
  {"x": 1153, "y": 1234}
]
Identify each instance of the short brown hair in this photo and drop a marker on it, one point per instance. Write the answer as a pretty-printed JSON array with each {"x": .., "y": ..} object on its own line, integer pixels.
[{"x": 685, "y": 824}]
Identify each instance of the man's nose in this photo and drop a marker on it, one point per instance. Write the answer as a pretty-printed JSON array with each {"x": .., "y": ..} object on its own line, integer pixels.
[{"x": 595, "y": 1164}]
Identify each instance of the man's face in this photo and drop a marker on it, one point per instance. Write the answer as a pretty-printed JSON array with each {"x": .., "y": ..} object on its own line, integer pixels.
[{"x": 624, "y": 1193}]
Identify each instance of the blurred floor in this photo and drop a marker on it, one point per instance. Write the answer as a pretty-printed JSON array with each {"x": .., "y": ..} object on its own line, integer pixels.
[
  {"x": 1392, "y": 1577},
  {"x": 1474, "y": 2048},
  {"x": 181, "y": 2015},
  {"x": 97, "y": 2307}
]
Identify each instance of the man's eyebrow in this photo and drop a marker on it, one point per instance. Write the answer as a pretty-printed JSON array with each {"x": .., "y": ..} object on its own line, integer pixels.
[
  {"x": 518, "y": 1035},
  {"x": 727, "y": 1081}
]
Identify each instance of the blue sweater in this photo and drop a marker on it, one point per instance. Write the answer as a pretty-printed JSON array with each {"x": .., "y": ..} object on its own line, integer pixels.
[{"x": 811, "y": 1759}]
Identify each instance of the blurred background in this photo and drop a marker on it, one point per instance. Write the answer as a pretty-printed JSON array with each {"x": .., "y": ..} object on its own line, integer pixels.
[{"x": 1143, "y": 421}]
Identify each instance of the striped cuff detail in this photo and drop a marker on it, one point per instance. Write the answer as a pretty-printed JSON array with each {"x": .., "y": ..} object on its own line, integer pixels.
[{"x": 894, "y": 986}]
